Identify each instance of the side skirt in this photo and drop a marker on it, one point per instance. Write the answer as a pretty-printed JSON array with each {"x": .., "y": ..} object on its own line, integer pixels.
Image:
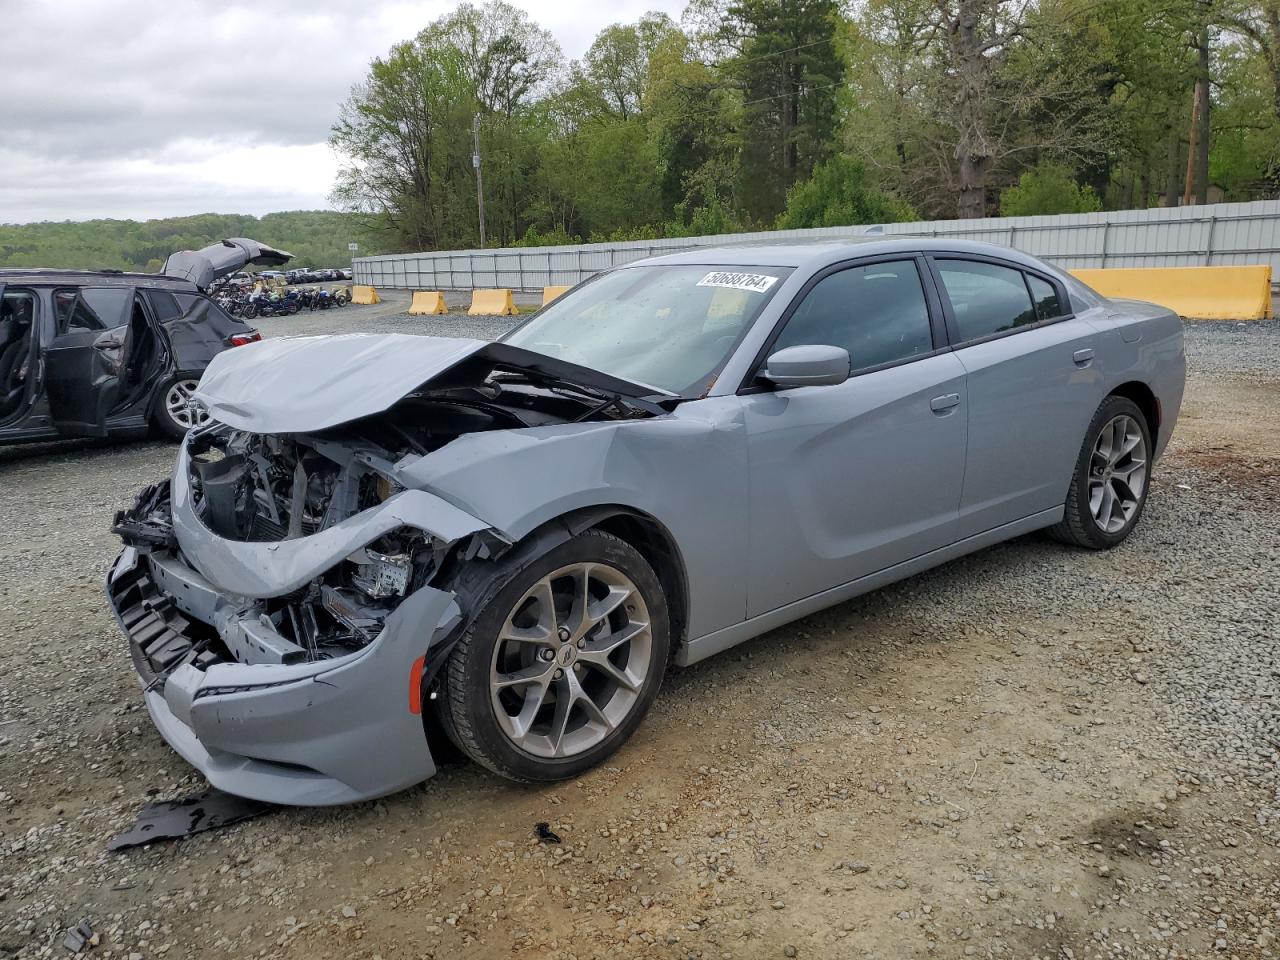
[{"x": 713, "y": 643}]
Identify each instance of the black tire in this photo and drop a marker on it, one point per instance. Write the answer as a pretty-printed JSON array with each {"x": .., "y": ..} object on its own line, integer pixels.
[
  {"x": 465, "y": 705},
  {"x": 1078, "y": 526}
]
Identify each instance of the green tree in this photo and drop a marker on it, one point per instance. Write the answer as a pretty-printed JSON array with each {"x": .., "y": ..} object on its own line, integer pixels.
[
  {"x": 406, "y": 130},
  {"x": 786, "y": 64},
  {"x": 694, "y": 122},
  {"x": 316, "y": 238}
]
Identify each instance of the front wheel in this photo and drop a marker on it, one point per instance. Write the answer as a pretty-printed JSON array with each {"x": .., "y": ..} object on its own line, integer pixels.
[
  {"x": 1112, "y": 474},
  {"x": 562, "y": 663}
]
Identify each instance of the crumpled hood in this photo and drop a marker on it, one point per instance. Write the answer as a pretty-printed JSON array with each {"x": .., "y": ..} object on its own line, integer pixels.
[{"x": 305, "y": 384}]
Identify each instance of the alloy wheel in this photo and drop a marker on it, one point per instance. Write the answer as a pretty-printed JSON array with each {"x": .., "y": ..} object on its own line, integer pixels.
[
  {"x": 183, "y": 408},
  {"x": 571, "y": 659},
  {"x": 1117, "y": 473}
]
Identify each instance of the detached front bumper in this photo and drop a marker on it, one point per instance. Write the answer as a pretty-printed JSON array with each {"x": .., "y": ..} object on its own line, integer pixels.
[{"x": 329, "y": 732}]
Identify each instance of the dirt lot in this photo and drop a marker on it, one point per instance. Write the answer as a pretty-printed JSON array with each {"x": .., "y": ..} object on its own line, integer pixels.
[{"x": 1031, "y": 752}]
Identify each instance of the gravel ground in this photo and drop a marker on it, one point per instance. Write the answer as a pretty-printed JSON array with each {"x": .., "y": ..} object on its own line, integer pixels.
[
  {"x": 1220, "y": 348},
  {"x": 1030, "y": 752}
]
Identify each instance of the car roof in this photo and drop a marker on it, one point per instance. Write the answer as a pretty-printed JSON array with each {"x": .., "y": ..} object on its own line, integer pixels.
[
  {"x": 43, "y": 276},
  {"x": 821, "y": 253}
]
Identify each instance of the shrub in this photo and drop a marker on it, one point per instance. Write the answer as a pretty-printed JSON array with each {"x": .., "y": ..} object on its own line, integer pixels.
[{"x": 1047, "y": 188}]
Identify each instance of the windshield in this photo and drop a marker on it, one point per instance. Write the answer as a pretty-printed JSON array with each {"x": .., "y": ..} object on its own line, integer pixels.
[{"x": 671, "y": 327}]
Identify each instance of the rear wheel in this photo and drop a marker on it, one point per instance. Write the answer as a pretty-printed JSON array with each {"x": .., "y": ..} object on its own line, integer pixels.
[
  {"x": 1109, "y": 487},
  {"x": 562, "y": 664},
  {"x": 178, "y": 411}
]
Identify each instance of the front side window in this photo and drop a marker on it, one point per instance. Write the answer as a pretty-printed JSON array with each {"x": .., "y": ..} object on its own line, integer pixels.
[
  {"x": 91, "y": 308},
  {"x": 670, "y": 327},
  {"x": 17, "y": 316},
  {"x": 986, "y": 298},
  {"x": 876, "y": 312}
]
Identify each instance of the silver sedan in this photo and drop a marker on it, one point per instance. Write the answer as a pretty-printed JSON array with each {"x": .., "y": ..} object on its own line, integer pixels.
[{"x": 381, "y": 537}]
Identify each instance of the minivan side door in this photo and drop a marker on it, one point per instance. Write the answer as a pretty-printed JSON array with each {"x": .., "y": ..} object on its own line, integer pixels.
[
  {"x": 851, "y": 478},
  {"x": 1032, "y": 386}
]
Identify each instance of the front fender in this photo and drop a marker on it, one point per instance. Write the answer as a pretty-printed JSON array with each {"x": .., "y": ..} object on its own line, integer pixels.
[{"x": 687, "y": 470}]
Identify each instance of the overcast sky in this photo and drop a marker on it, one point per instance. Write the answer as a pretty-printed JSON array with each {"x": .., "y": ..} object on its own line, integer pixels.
[{"x": 153, "y": 108}]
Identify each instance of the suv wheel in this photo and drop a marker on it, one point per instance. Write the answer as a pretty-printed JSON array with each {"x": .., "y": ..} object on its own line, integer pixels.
[{"x": 177, "y": 411}]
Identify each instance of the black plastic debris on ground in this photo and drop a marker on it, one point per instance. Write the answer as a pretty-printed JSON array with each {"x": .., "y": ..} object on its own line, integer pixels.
[
  {"x": 543, "y": 832},
  {"x": 174, "y": 819}
]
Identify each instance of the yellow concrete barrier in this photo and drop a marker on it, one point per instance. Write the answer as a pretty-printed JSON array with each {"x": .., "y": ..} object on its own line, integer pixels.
[
  {"x": 365, "y": 295},
  {"x": 491, "y": 303},
  {"x": 428, "y": 303},
  {"x": 1205, "y": 293},
  {"x": 550, "y": 293}
]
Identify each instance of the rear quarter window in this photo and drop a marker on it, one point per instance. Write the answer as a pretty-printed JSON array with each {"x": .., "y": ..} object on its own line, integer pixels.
[{"x": 1049, "y": 305}]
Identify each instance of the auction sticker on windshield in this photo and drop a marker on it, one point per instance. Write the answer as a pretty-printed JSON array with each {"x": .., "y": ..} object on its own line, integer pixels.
[{"x": 755, "y": 282}]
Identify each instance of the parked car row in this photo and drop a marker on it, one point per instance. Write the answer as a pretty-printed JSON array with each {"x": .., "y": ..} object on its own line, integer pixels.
[{"x": 305, "y": 275}]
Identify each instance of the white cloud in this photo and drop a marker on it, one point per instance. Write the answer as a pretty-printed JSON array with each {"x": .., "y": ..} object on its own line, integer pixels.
[{"x": 148, "y": 108}]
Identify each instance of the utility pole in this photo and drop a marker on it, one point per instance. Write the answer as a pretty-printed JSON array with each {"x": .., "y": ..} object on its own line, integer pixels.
[
  {"x": 475, "y": 162},
  {"x": 1189, "y": 184}
]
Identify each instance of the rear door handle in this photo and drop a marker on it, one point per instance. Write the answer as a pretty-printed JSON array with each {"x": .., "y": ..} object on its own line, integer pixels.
[
  {"x": 1082, "y": 357},
  {"x": 944, "y": 403}
]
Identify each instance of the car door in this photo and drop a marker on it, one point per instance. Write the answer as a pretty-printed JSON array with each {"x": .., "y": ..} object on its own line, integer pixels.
[
  {"x": 19, "y": 317},
  {"x": 851, "y": 478},
  {"x": 83, "y": 362},
  {"x": 1032, "y": 386}
]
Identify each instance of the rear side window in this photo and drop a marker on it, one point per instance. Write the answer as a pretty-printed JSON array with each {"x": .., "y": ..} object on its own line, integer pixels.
[
  {"x": 164, "y": 305},
  {"x": 877, "y": 312},
  {"x": 986, "y": 298},
  {"x": 1045, "y": 295},
  {"x": 197, "y": 307}
]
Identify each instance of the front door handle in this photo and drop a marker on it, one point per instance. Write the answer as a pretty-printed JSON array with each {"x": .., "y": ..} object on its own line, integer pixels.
[
  {"x": 1082, "y": 358},
  {"x": 944, "y": 403}
]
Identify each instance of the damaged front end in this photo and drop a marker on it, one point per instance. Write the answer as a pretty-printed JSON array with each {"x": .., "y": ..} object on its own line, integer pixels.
[
  {"x": 289, "y": 594},
  {"x": 280, "y": 604}
]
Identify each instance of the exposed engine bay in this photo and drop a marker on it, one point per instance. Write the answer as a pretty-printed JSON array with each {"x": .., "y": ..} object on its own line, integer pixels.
[{"x": 267, "y": 488}]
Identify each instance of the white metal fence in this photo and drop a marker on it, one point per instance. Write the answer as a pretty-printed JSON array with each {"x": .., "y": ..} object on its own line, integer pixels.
[{"x": 1222, "y": 234}]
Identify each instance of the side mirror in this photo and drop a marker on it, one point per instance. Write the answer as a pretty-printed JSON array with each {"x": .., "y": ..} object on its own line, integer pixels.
[{"x": 807, "y": 365}]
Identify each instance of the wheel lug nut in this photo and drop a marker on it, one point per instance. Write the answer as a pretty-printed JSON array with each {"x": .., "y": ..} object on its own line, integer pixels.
[
  {"x": 563, "y": 633},
  {"x": 558, "y": 674},
  {"x": 547, "y": 655},
  {"x": 582, "y": 643}
]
